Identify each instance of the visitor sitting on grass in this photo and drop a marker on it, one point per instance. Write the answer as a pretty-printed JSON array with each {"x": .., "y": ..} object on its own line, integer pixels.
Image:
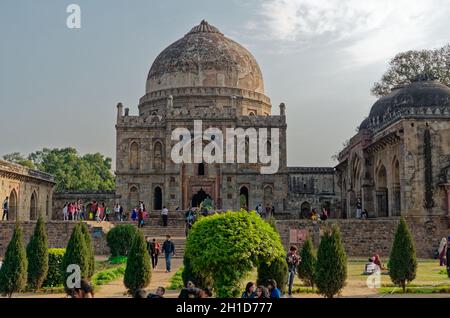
[
  {"x": 273, "y": 290},
  {"x": 377, "y": 261},
  {"x": 371, "y": 267},
  {"x": 195, "y": 293},
  {"x": 160, "y": 291},
  {"x": 249, "y": 291}
]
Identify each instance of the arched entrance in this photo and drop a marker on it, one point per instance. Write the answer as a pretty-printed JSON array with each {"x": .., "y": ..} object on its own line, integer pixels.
[
  {"x": 199, "y": 197},
  {"x": 134, "y": 197},
  {"x": 33, "y": 207},
  {"x": 382, "y": 193},
  {"x": 305, "y": 210},
  {"x": 12, "y": 213},
  {"x": 157, "y": 199},
  {"x": 243, "y": 197}
]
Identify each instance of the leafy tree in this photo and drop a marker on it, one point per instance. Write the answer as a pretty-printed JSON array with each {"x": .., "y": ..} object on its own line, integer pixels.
[
  {"x": 138, "y": 272},
  {"x": 277, "y": 270},
  {"x": 13, "y": 273},
  {"x": 406, "y": 66},
  {"x": 37, "y": 255},
  {"x": 198, "y": 278},
  {"x": 402, "y": 261},
  {"x": 227, "y": 246},
  {"x": 17, "y": 157},
  {"x": 331, "y": 269},
  {"x": 90, "y": 172},
  {"x": 307, "y": 267},
  {"x": 76, "y": 254},
  {"x": 120, "y": 238},
  {"x": 90, "y": 249}
]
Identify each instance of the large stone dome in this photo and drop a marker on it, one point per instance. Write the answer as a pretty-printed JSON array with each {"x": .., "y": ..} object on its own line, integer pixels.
[{"x": 205, "y": 58}]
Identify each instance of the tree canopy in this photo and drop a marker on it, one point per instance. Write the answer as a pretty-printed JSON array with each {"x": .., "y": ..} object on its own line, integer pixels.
[
  {"x": 89, "y": 172},
  {"x": 406, "y": 66}
]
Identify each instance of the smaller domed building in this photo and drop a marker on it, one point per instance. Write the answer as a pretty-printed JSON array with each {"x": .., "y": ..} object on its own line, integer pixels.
[{"x": 398, "y": 163}]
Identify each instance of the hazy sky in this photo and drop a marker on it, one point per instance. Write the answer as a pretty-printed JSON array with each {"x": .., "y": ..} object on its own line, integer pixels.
[{"x": 59, "y": 87}]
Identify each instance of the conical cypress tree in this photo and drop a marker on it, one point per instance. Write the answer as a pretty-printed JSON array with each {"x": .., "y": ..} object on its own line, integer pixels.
[
  {"x": 13, "y": 273},
  {"x": 138, "y": 271},
  {"x": 277, "y": 270},
  {"x": 76, "y": 254},
  {"x": 402, "y": 261},
  {"x": 307, "y": 267},
  {"x": 90, "y": 249},
  {"x": 37, "y": 255},
  {"x": 331, "y": 269}
]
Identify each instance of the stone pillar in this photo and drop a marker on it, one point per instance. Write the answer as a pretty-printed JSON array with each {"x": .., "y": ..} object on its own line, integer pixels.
[
  {"x": 119, "y": 111},
  {"x": 282, "y": 109}
]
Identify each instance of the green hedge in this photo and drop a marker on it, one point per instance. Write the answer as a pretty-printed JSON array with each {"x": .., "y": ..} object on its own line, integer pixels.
[
  {"x": 108, "y": 275},
  {"x": 54, "y": 276},
  {"x": 120, "y": 238}
]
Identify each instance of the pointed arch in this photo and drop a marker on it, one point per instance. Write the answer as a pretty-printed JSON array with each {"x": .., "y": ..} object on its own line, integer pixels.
[
  {"x": 158, "y": 155},
  {"x": 133, "y": 197},
  {"x": 33, "y": 206},
  {"x": 134, "y": 156},
  {"x": 12, "y": 205}
]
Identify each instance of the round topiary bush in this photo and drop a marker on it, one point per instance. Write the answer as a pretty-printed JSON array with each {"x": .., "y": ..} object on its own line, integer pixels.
[
  {"x": 120, "y": 238},
  {"x": 227, "y": 246}
]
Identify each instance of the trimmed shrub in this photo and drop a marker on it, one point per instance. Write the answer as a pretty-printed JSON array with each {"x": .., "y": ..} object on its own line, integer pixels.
[
  {"x": 37, "y": 255},
  {"x": 402, "y": 261},
  {"x": 138, "y": 272},
  {"x": 90, "y": 249},
  {"x": 331, "y": 269},
  {"x": 198, "y": 278},
  {"x": 76, "y": 253},
  {"x": 54, "y": 275},
  {"x": 13, "y": 273},
  {"x": 120, "y": 238},
  {"x": 277, "y": 270},
  {"x": 306, "y": 269},
  {"x": 227, "y": 246}
]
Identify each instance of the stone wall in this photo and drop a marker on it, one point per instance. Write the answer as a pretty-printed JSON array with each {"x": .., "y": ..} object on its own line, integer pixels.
[
  {"x": 362, "y": 238},
  {"x": 58, "y": 235}
]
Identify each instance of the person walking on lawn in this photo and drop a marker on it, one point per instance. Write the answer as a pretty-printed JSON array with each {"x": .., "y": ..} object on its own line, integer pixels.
[{"x": 169, "y": 250}]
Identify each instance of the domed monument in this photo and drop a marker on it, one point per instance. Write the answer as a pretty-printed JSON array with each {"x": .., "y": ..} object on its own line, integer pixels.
[
  {"x": 207, "y": 77},
  {"x": 399, "y": 162}
]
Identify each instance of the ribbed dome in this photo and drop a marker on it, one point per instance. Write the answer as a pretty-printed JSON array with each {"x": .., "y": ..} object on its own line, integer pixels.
[
  {"x": 422, "y": 92},
  {"x": 205, "y": 58}
]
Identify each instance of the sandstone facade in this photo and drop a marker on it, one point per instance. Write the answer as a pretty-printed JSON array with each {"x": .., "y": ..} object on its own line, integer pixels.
[{"x": 29, "y": 192}]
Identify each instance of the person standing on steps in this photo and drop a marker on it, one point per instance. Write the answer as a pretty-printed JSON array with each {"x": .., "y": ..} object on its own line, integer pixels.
[
  {"x": 5, "y": 209},
  {"x": 165, "y": 216},
  {"x": 169, "y": 250}
]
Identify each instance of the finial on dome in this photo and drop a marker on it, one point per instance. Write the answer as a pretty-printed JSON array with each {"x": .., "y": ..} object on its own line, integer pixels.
[
  {"x": 204, "y": 27},
  {"x": 424, "y": 76}
]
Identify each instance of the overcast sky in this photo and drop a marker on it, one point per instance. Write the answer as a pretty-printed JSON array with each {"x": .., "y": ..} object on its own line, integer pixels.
[{"x": 59, "y": 87}]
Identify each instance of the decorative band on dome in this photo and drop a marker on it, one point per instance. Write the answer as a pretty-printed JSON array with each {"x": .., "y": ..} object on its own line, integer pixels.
[{"x": 204, "y": 27}]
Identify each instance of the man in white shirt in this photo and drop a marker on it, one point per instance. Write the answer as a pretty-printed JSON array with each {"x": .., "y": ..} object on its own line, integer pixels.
[{"x": 165, "y": 216}]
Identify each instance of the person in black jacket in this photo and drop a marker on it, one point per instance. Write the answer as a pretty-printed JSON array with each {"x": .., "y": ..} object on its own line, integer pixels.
[{"x": 169, "y": 250}]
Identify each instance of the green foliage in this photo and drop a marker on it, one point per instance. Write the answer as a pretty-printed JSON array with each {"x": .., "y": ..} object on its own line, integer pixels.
[
  {"x": 199, "y": 279},
  {"x": 277, "y": 270},
  {"x": 13, "y": 273},
  {"x": 72, "y": 172},
  {"x": 90, "y": 249},
  {"x": 54, "y": 274},
  {"x": 120, "y": 238},
  {"x": 307, "y": 267},
  {"x": 17, "y": 157},
  {"x": 405, "y": 66},
  {"x": 76, "y": 253},
  {"x": 108, "y": 275},
  {"x": 331, "y": 269},
  {"x": 138, "y": 272},
  {"x": 37, "y": 255},
  {"x": 227, "y": 246},
  {"x": 176, "y": 281},
  {"x": 117, "y": 260},
  {"x": 402, "y": 261}
]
